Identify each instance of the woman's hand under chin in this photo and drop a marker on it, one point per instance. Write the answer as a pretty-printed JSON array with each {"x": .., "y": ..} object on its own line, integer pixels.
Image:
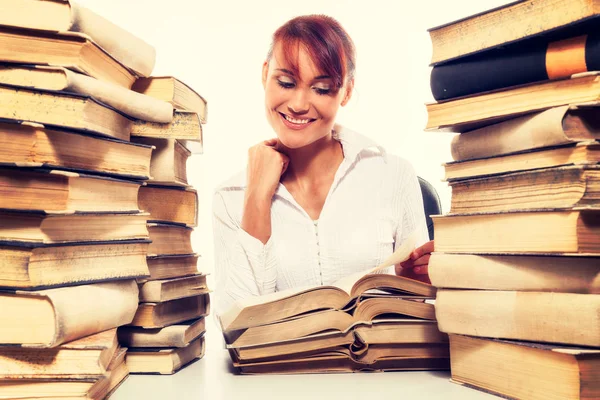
[
  {"x": 265, "y": 166},
  {"x": 417, "y": 266}
]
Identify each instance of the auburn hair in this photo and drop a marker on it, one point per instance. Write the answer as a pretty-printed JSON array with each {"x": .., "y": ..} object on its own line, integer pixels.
[{"x": 327, "y": 43}]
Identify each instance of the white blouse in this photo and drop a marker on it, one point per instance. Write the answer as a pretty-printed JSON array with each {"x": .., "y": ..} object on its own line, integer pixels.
[{"x": 373, "y": 204}]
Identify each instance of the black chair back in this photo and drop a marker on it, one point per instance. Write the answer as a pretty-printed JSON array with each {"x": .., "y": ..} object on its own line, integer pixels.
[{"x": 431, "y": 203}]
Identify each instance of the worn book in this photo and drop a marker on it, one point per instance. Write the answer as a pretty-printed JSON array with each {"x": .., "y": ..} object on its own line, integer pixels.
[
  {"x": 185, "y": 126},
  {"x": 169, "y": 239},
  {"x": 65, "y": 15},
  {"x": 47, "y": 266},
  {"x": 158, "y": 291},
  {"x": 88, "y": 357},
  {"x": 164, "y": 361},
  {"x": 169, "y": 204},
  {"x": 538, "y": 273},
  {"x": 523, "y": 370},
  {"x": 73, "y": 388},
  {"x": 168, "y": 164},
  {"x": 171, "y": 89},
  {"x": 159, "y": 315},
  {"x": 63, "y": 110},
  {"x": 62, "y": 79},
  {"x": 472, "y": 112},
  {"x": 32, "y": 145},
  {"x": 71, "y": 50},
  {"x": 65, "y": 192},
  {"x": 528, "y": 62},
  {"x": 310, "y": 333},
  {"x": 562, "y": 187},
  {"x": 514, "y": 22},
  {"x": 48, "y": 318},
  {"x": 343, "y": 295},
  {"x": 340, "y": 361},
  {"x": 31, "y": 228},
  {"x": 177, "y": 335},
  {"x": 550, "y": 128},
  {"x": 526, "y": 232},
  {"x": 569, "y": 318},
  {"x": 171, "y": 266},
  {"x": 582, "y": 153}
]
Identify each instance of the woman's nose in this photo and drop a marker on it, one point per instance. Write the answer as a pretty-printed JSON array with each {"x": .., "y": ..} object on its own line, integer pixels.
[{"x": 298, "y": 104}]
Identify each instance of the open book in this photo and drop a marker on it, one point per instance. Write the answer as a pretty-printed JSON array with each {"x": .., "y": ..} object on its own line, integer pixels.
[{"x": 342, "y": 295}]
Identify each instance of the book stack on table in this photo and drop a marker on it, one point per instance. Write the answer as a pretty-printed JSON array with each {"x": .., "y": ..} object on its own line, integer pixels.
[{"x": 517, "y": 259}]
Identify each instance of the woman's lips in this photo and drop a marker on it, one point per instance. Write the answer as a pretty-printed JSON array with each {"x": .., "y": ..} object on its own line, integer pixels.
[{"x": 296, "y": 123}]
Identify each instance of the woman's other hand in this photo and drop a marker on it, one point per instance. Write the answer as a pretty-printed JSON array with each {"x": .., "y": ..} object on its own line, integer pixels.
[
  {"x": 265, "y": 167},
  {"x": 417, "y": 266}
]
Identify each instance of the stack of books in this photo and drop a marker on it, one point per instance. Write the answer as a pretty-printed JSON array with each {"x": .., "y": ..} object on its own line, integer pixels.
[
  {"x": 517, "y": 259},
  {"x": 167, "y": 332},
  {"x": 73, "y": 240},
  {"x": 364, "y": 322}
]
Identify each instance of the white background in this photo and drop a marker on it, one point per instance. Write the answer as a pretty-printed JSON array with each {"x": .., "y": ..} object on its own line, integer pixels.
[{"x": 218, "y": 48}]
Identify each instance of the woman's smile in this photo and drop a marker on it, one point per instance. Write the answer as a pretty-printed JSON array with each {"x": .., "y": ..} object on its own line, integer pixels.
[{"x": 296, "y": 123}]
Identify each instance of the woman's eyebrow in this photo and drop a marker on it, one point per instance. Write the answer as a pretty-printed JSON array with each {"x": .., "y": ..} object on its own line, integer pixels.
[
  {"x": 286, "y": 71},
  {"x": 322, "y": 77}
]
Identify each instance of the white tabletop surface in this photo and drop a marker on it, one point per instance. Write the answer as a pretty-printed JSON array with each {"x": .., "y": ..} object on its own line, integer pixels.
[{"x": 212, "y": 378}]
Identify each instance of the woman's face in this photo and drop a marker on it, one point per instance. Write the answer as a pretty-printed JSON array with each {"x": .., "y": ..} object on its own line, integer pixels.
[{"x": 301, "y": 109}]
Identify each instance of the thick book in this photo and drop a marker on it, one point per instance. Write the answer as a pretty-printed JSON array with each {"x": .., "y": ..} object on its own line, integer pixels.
[
  {"x": 522, "y": 370},
  {"x": 171, "y": 89},
  {"x": 510, "y": 272},
  {"x": 171, "y": 289},
  {"x": 63, "y": 110},
  {"x": 61, "y": 79},
  {"x": 185, "y": 126},
  {"x": 472, "y": 112},
  {"x": 563, "y": 187},
  {"x": 65, "y": 15},
  {"x": 332, "y": 325},
  {"x": 159, "y": 315},
  {"x": 169, "y": 239},
  {"x": 342, "y": 295},
  {"x": 569, "y": 318},
  {"x": 341, "y": 362},
  {"x": 582, "y": 153},
  {"x": 168, "y": 163},
  {"x": 528, "y": 63},
  {"x": 31, "y": 228},
  {"x": 164, "y": 361},
  {"x": 84, "y": 388},
  {"x": 169, "y": 204},
  {"x": 89, "y": 357},
  {"x": 71, "y": 264},
  {"x": 513, "y": 22},
  {"x": 525, "y": 232},
  {"x": 550, "y": 128},
  {"x": 171, "y": 266},
  {"x": 65, "y": 192},
  {"x": 71, "y": 50},
  {"x": 177, "y": 335},
  {"x": 48, "y": 318},
  {"x": 32, "y": 145}
]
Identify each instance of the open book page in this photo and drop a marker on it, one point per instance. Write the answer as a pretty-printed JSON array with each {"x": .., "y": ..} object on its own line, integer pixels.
[{"x": 401, "y": 254}]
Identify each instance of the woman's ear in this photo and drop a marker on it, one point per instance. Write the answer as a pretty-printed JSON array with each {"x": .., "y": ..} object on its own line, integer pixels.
[
  {"x": 265, "y": 72},
  {"x": 348, "y": 92}
]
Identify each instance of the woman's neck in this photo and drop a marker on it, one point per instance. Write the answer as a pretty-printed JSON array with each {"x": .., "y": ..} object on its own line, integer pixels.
[{"x": 315, "y": 162}]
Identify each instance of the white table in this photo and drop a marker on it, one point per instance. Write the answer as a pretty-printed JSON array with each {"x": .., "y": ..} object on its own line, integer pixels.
[{"x": 212, "y": 378}]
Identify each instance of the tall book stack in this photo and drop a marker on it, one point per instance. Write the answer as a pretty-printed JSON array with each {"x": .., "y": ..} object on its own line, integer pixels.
[
  {"x": 364, "y": 322},
  {"x": 73, "y": 240},
  {"x": 517, "y": 259},
  {"x": 167, "y": 332}
]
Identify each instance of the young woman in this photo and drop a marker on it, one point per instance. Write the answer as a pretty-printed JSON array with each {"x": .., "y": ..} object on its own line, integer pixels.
[{"x": 319, "y": 201}]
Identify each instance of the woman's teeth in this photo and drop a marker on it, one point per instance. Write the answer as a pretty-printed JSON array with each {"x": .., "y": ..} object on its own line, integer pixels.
[{"x": 296, "y": 121}]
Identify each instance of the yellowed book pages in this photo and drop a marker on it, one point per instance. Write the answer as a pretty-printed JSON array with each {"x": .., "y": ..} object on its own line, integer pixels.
[
  {"x": 164, "y": 361},
  {"x": 567, "y": 318}
]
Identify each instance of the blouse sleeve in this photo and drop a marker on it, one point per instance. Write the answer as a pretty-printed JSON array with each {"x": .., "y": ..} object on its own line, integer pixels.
[
  {"x": 244, "y": 266},
  {"x": 412, "y": 212}
]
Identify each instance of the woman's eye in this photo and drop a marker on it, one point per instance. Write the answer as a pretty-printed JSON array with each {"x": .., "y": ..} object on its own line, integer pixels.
[
  {"x": 322, "y": 90},
  {"x": 285, "y": 84}
]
